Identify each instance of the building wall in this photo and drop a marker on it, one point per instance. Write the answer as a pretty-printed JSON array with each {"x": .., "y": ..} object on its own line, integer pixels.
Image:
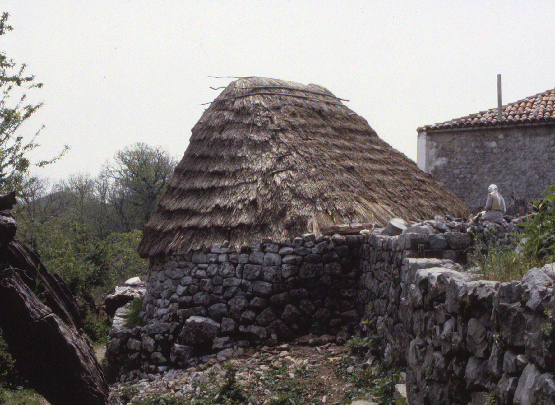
[{"x": 519, "y": 160}]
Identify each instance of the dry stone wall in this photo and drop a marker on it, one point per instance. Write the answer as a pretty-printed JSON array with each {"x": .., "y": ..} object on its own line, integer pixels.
[{"x": 460, "y": 340}]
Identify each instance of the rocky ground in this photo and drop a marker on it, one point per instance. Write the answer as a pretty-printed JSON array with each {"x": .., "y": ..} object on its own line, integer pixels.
[{"x": 297, "y": 373}]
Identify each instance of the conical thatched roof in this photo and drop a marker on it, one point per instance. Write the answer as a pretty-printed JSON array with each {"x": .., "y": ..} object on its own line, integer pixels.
[{"x": 271, "y": 159}]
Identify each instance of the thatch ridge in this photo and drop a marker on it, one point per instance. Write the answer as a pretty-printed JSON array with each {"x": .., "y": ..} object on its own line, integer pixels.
[{"x": 283, "y": 163}]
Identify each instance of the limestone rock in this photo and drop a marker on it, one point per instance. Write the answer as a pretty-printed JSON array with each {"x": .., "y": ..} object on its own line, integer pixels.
[{"x": 199, "y": 331}]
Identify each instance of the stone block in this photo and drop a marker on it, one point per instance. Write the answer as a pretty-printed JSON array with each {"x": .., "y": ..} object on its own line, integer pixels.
[
  {"x": 134, "y": 344},
  {"x": 287, "y": 250},
  {"x": 212, "y": 270},
  {"x": 180, "y": 355},
  {"x": 158, "y": 358},
  {"x": 266, "y": 317},
  {"x": 476, "y": 374},
  {"x": 247, "y": 317},
  {"x": 310, "y": 270},
  {"x": 199, "y": 331},
  {"x": 281, "y": 299},
  {"x": 148, "y": 344},
  {"x": 438, "y": 242},
  {"x": 506, "y": 388},
  {"x": 292, "y": 259},
  {"x": 302, "y": 250},
  {"x": 511, "y": 317},
  {"x": 262, "y": 288},
  {"x": 198, "y": 257},
  {"x": 289, "y": 270},
  {"x": 476, "y": 338},
  {"x": 217, "y": 311},
  {"x": 243, "y": 258},
  {"x": 256, "y": 258},
  {"x": 272, "y": 259},
  {"x": 271, "y": 274},
  {"x": 231, "y": 282},
  {"x": 238, "y": 303},
  {"x": 228, "y": 325},
  {"x": 527, "y": 383},
  {"x": 291, "y": 314},
  {"x": 201, "y": 298},
  {"x": 395, "y": 227},
  {"x": 255, "y": 332},
  {"x": 457, "y": 240},
  {"x": 221, "y": 343},
  {"x": 252, "y": 271},
  {"x": 258, "y": 303}
]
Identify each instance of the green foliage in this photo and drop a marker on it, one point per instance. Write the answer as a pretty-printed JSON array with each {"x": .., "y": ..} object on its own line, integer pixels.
[
  {"x": 157, "y": 399},
  {"x": 96, "y": 326},
  {"x": 139, "y": 175},
  {"x": 9, "y": 376},
  {"x": 135, "y": 308},
  {"x": 293, "y": 386},
  {"x": 493, "y": 399},
  {"x": 14, "y": 149},
  {"x": 501, "y": 264},
  {"x": 230, "y": 392},
  {"x": 127, "y": 393},
  {"x": 20, "y": 396},
  {"x": 69, "y": 226},
  {"x": 539, "y": 231},
  {"x": 361, "y": 346},
  {"x": 370, "y": 379}
]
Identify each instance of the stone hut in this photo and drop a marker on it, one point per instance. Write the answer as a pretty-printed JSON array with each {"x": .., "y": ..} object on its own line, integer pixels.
[
  {"x": 235, "y": 246},
  {"x": 514, "y": 152}
]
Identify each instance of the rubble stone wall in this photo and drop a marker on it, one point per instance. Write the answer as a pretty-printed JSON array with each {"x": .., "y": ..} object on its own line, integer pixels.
[{"x": 460, "y": 340}]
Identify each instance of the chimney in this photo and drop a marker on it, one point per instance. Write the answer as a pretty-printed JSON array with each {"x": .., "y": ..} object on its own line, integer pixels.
[{"x": 499, "y": 102}]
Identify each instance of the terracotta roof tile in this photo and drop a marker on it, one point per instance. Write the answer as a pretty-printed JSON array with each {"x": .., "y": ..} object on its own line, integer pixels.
[{"x": 534, "y": 109}]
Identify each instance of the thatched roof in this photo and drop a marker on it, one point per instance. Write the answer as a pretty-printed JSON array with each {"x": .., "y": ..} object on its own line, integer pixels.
[{"x": 271, "y": 159}]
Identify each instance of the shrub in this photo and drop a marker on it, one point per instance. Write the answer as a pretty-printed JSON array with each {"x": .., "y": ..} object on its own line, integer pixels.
[
  {"x": 230, "y": 392},
  {"x": 539, "y": 230},
  {"x": 501, "y": 264},
  {"x": 133, "y": 318},
  {"x": 9, "y": 376}
]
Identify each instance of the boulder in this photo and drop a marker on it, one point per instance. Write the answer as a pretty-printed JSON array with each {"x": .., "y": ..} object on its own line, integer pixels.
[
  {"x": 395, "y": 226},
  {"x": 199, "y": 331},
  {"x": 127, "y": 292}
]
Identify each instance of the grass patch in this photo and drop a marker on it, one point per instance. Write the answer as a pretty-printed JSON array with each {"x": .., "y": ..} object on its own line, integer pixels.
[
  {"x": 501, "y": 264},
  {"x": 369, "y": 379},
  {"x": 293, "y": 385}
]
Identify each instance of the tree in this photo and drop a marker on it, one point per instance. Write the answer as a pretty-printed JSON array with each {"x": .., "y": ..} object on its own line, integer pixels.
[
  {"x": 14, "y": 164},
  {"x": 139, "y": 174}
]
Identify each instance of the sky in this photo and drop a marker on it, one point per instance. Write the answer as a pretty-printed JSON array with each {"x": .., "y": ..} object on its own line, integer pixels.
[{"x": 120, "y": 72}]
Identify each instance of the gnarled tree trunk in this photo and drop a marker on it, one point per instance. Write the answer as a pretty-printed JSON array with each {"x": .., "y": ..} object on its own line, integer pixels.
[{"x": 42, "y": 324}]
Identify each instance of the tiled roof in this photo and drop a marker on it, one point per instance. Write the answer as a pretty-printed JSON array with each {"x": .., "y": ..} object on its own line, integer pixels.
[{"x": 534, "y": 109}]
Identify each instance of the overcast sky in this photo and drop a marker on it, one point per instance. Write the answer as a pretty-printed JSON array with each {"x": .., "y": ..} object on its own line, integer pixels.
[{"x": 120, "y": 72}]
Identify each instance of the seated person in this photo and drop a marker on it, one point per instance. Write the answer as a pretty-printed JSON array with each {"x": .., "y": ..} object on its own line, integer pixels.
[{"x": 495, "y": 205}]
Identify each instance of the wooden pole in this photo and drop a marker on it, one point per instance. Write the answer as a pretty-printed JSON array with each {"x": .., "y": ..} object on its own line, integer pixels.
[{"x": 499, "y": 99}]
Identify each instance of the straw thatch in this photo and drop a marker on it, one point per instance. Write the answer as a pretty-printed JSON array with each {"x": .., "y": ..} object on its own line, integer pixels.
[{"x": 271, "y": 159}]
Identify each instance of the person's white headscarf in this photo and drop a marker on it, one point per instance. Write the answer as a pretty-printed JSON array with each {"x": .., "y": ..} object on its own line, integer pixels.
[{"x": 492, "y": 189}]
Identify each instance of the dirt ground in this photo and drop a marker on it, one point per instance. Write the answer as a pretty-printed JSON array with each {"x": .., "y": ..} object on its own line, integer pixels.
[{"x": 266, "y": 375}]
